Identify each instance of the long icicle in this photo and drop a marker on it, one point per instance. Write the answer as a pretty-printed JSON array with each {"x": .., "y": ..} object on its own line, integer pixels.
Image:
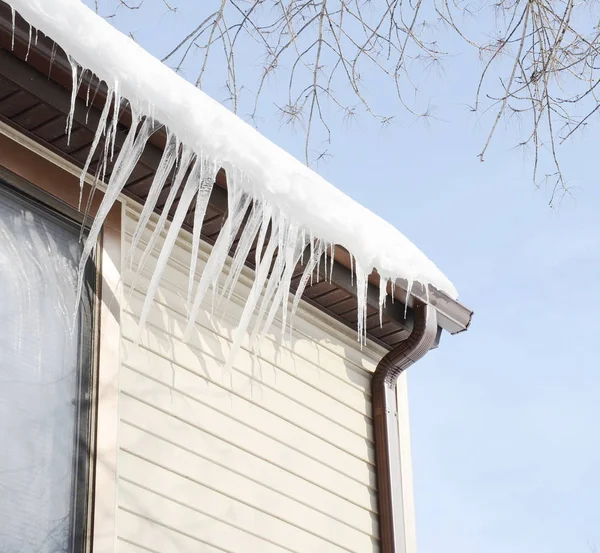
[
  {"x": 28, "y": 45},
  {"x": 217, "y": 258},
  {"x": 160, "y": 225},
  {"x": 383, "y": 283},
  {"x": 202, "y": 197},
  {"x": 165, "y": 167},
  {"x": 272, "y": 284},
  {"x": 13, "y": 17},
  {"x": 237, "y": 216},
  {"x": 306, "y": 275},
  {"x": 291, "y": 257},
  {"x": 362, "y": 282},
  {"x": 243, "y": 249},
  {"x": 184, "y": 203},
  {"x": 100, "y": 130},
  {"x": 74, "y": 90},
  {"x": 126, "y": 161},
  {"x": 260, "y": 277}
]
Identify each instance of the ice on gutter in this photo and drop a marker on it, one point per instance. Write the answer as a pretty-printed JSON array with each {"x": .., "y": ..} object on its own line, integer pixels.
[{"x": 291, "y": 207}]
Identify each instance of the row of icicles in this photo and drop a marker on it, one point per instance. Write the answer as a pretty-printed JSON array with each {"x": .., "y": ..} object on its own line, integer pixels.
[{"x": 280, "y": 242}]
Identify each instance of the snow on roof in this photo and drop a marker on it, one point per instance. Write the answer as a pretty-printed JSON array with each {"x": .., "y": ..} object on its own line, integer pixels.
[{"x": 302, "y": 207}]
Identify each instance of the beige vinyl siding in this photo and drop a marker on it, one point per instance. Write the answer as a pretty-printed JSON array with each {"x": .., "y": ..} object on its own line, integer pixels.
[{"x": 274, "y": 456}]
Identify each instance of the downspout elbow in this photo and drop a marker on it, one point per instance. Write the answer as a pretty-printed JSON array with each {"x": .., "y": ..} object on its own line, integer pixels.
[{"x": 386, "y": 428}]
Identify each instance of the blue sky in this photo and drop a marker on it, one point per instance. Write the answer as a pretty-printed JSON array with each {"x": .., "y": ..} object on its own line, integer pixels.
[{"x": 504, "y": 417}]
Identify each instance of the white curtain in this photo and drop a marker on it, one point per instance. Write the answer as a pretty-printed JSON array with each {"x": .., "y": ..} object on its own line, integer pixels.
[{"x": 39, "y": 358}]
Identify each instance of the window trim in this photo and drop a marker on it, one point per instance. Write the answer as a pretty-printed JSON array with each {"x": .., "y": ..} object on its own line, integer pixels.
[{"x": 84, "y": 462}]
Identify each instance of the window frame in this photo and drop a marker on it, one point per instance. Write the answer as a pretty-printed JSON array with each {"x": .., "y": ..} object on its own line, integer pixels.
[{"x": 84, "y": 462}]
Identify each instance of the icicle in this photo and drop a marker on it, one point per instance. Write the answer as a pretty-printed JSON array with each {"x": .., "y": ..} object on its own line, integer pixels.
[
  {"x": 126, "y": 161},
  {"x": 13, "y": 16},
  {"x": 304, "y": 242},
  {"x": 383, "y": 282},
  {"x": 281, "y": 236},
  {"x": 408, "y": 291},
  {"x": 260, "y": 277},
  {"x": 239, "y": 213},
  {"x": 100, "y": 130},
  {"x": 105, "y": 153},
  {"x": 318, "y": 272},
  {"x": 88, "y": 204},
  {"x": 206, "y": 184},
  {"x": 306, "y": 275},
  {"x": 176, "y": 184},
  {"x": 218, "y": 256},
  {"x": 267, "y": 301},
  {"x": 293, "y": 253},
  {"x": 81, "y": 77},
  {"x": 237, "y": 207},
  {"x": 312, "y": 253},
  {"x": 36, "y": 37},
  {"x": 243, "y": 249},
  {"x": 332, "y": 253},
  {"x": 362, "y": 282},
  {"x": 163, "y": 170},
  {"x": 267, "y": 298},
  {"x": 74, "y": 90},
  {"x": 351, "y": 269},
  {"x": 266, "y": 217},
  {"x": 91, "y": 102},
  {"x": 197, "y": 222},
  {"x": 189, "y": 192},
  {"x": 28, "y": 44},
  {"x": 274, "y": 281},
  {"x": 115, "y": 119},
  {"x": 52, "y": 58}
]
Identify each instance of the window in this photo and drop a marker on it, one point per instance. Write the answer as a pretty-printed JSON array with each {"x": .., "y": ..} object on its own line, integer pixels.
[{"x": 45, "y": 379}]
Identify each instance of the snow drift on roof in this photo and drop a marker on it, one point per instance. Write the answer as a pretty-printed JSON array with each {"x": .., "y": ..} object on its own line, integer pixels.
[{"x": 291, "y": 207}]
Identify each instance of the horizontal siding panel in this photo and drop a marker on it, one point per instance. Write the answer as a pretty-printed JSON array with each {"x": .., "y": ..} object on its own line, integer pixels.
[
  {"x": 124, "y": 546},
  {"x": 190, "y": 520},
  {"x": 258, "y": 453},
  {"x": 305, "y": 505},
  {"x": 157, "y": 537},
  {"x": 229, "y": 509},
  {"x": 241, "y": 389},
  {"x": 244, "y": 417},
  {"x": 274, "y": 359},
  {"x": 257, "y": 374}
]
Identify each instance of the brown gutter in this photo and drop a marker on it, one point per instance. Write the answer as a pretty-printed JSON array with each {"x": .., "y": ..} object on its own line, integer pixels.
[{"x": 386, "y": 429}]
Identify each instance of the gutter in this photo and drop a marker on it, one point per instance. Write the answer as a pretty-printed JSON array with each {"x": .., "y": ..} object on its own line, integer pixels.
[{"x": 423, "y": 337}]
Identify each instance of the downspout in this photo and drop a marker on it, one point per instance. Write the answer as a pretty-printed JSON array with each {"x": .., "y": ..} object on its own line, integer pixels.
[{"x": 386, "y": 429}]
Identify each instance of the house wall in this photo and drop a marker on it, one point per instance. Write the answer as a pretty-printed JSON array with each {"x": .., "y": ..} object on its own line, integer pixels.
[{"x": 275, "y": 456}]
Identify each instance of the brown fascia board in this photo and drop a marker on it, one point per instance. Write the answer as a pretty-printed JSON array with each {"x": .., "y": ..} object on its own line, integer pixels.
[{"x": 55, "y": 90}]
